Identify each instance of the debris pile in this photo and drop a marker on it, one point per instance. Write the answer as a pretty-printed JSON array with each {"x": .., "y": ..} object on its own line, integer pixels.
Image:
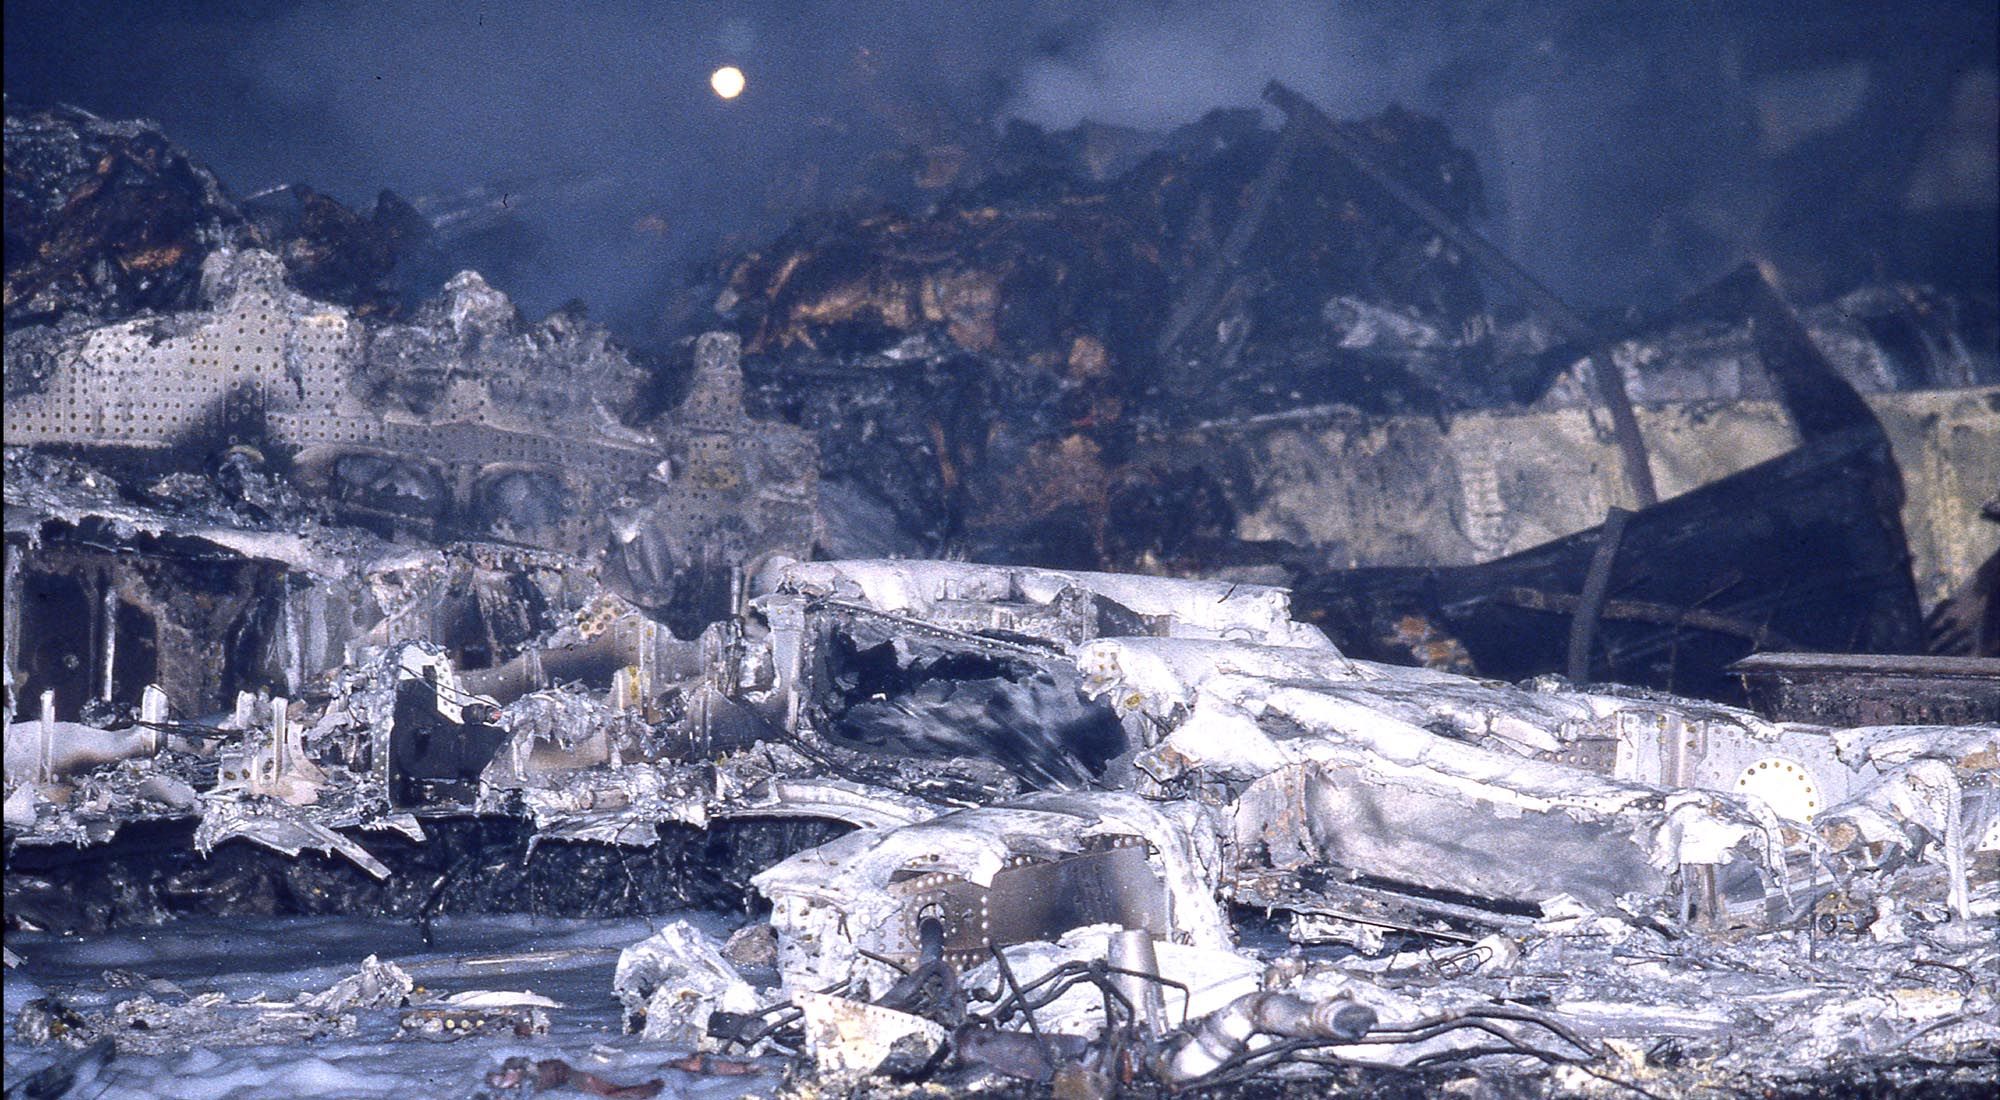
[
  {"x": 1068, "y": 792},
  {"x": 106, "y": 219},
  {"x": 1065, "y": 367},
  {"x": 976, "y": 371},
  {"x": 320, "y": 605},
  {"x": 164, "y": 1015}
]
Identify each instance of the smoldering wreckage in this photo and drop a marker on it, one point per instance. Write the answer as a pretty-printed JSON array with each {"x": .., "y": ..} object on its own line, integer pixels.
[{"x": 1314, "y": 727}]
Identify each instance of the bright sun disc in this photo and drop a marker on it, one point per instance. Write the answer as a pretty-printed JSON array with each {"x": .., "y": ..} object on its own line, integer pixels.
[{"x": 727, "y": 81}]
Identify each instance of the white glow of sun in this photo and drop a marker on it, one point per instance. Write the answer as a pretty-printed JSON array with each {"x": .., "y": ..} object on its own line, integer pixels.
[{"x": 727, "y": 81}]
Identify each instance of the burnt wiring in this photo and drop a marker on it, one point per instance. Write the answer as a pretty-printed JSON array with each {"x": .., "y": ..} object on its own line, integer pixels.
[
  {"x": 931, "y": 989},
  {"x": 1066, "y": 977},
  {"x": 1484, "y": 1018}
]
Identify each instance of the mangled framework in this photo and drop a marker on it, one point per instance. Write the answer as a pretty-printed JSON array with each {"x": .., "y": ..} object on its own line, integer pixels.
[{"x": 1467, "y": 843}]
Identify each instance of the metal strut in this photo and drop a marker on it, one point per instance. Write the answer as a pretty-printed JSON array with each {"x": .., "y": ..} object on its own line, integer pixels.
[{"x": 1605, "y": 373}]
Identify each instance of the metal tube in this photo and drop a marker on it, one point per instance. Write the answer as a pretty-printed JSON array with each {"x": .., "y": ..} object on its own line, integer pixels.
[
  {"x": 45, "y": 770},
  {"x": 1226, "y": 1032},
  {"x": 1132, "y": 950},
  {"x": 12, "y": 626},
  {"x": 108, "y": 614}
]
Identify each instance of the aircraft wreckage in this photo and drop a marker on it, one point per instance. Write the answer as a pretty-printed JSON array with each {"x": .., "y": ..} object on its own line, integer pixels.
[
  {"x": 1061, "y": 785},
  {"x": 316, "y": 605}
]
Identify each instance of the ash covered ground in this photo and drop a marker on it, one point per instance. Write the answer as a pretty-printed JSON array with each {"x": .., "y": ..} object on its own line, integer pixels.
[{"x": 1075, "y": 583}]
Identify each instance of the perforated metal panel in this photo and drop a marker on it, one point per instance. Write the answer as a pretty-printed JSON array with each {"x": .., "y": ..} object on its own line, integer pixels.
[{"x": 1785, "y": 785}]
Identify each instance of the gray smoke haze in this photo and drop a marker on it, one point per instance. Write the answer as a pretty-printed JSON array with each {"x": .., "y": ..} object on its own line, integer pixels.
[
  {"x": 1154, "y": 66},
  {"x": 1629, "y": 149},
  {"x": 595, "y": 124}
]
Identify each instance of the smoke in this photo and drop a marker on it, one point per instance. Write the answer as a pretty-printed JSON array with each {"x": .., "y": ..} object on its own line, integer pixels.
[
  {"x": 590, "y": 131},
  {"x": 599, "y": 122},
  {"x": 1154, "y": 66},
  {"x": 1630, "y": 149}
]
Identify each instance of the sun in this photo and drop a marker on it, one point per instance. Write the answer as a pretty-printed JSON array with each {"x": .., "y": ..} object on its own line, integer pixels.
[{"x": 727, "y": 81}]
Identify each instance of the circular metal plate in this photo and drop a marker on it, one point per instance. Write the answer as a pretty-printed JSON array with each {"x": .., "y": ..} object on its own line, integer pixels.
[{"x": 1785, "y": 785}]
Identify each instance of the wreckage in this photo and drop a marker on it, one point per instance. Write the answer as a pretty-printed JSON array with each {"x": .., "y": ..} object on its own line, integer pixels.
[
  {"x": 1063, "y": 789},
  {"x": 318, "y": 606}
]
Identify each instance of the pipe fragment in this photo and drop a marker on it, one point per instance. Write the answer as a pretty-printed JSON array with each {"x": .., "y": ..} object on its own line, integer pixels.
[{"x": 1227, "y": 1031}]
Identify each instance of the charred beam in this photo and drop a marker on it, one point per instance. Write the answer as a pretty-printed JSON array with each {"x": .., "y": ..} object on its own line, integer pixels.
[
  {"x": 1200, "y": 294},
  {"x": 1610, "y": 383}
]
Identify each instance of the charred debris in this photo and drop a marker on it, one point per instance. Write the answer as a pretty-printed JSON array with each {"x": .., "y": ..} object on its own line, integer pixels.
[{"x": 1355, "y": 692}]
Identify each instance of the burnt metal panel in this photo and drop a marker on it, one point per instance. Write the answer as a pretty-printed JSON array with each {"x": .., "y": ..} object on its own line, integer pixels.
[{"x": 1867, "y": 689}]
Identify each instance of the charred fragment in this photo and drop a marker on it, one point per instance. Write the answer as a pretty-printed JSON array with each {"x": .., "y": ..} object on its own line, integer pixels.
[
  {"x": 1874, "y": 691},
  {"x": 104, "y": 219},
  {"x": 109, "y": 219}
]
